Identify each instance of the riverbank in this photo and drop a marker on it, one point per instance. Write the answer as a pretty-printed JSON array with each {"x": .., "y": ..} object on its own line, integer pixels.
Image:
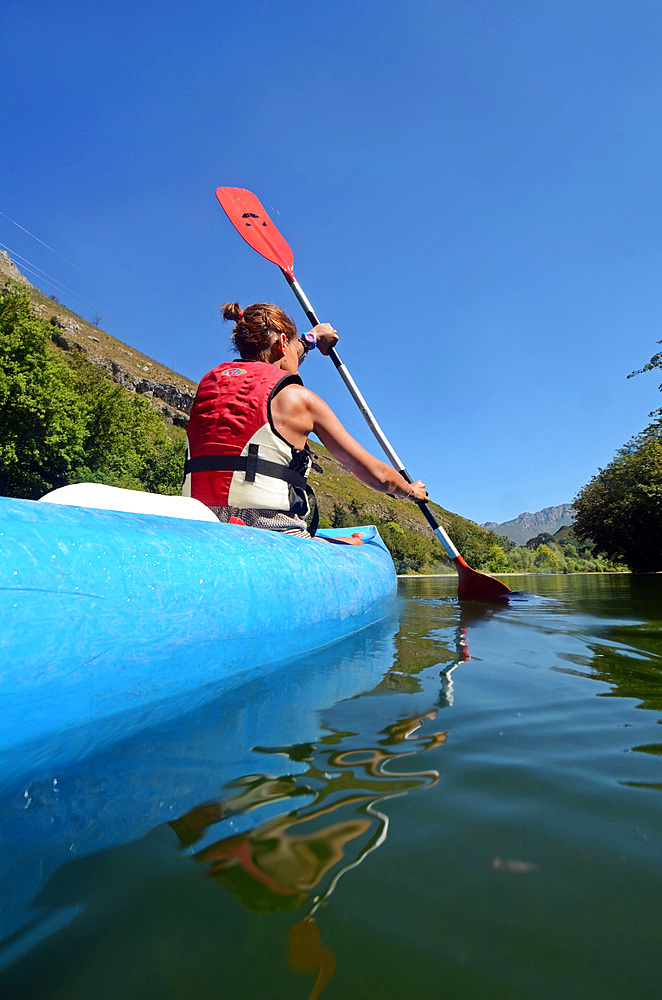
[{"x": 498, "y": 576}]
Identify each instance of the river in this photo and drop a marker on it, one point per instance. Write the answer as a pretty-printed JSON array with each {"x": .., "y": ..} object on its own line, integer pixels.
[{"x": 460, "y": 802}]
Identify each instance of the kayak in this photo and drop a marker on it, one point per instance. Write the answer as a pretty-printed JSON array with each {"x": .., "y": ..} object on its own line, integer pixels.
[{"x": 112, "y": 600}]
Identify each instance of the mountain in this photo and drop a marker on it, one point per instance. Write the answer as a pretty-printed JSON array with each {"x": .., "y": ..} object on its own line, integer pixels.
[{"x": 527, "y": 525}]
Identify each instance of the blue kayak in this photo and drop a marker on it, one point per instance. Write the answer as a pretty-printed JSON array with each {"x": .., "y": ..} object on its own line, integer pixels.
[{"x": 107, "y": 611}]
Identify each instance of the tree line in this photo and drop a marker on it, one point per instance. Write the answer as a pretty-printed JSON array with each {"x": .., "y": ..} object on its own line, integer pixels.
[
  {"x": 414, "y": 552},
  {"x": 620, "y": 509}
]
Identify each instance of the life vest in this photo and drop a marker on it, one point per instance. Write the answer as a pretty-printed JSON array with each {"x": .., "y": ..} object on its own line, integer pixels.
[{"x": 235, "y": 457}]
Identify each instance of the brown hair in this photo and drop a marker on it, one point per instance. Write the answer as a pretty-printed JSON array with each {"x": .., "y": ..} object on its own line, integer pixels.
[{"x": 256, "y": 327}]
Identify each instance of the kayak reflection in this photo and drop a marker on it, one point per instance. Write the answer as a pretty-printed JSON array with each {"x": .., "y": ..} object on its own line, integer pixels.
[
  {"x": 278, "y": 862},
  {"x": 56, "y": 809}
]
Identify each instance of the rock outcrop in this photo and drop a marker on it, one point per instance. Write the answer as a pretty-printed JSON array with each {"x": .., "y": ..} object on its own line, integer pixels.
[{"x": 178, "y": 400}]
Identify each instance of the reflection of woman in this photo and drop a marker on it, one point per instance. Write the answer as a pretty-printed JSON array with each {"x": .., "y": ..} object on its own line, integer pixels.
[
  {"x": 279, "y": 862},
  {"x": 247, "y": 453},
  {"x": 275, "y": 867}
]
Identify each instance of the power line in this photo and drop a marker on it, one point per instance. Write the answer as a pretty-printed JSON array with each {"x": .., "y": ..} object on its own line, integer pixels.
[
  {"x": 39, "y": 272},
  {"x": 121, "y": 263},
  {"x": 70, "y": 262}
]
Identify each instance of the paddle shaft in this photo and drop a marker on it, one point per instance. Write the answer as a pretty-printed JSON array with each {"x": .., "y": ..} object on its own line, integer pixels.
[{"x": 357, "y": 396}]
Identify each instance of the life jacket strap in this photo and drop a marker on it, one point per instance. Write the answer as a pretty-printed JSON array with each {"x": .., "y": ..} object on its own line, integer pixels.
[
  {"x": 315, "y": 520},
  {"x": 251, "y": 464}
]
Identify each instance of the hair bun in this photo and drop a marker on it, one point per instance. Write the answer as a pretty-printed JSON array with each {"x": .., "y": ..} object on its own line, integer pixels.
[{"x": 232, "y": 311}]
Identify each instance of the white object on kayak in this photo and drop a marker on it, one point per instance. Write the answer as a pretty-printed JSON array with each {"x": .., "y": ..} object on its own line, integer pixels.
[{"x": 97, "y": 496}]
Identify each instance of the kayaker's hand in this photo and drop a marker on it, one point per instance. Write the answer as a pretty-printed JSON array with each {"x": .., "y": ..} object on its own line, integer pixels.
[
  {"x": 325, "y": 336},
  {"x": 418, "y": 491}
]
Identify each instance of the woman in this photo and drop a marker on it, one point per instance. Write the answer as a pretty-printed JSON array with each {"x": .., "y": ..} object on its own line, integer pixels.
[{"x": 247, "y": 450}]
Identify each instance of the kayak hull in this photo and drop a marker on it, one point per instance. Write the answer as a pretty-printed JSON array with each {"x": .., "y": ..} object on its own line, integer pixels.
[{"x": 104, "y": 611}]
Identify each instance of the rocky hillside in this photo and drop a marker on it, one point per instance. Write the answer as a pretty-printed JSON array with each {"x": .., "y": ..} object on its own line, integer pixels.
[
  {"x": 527, "y": 525},
  {"x": 169, "y": 392}
]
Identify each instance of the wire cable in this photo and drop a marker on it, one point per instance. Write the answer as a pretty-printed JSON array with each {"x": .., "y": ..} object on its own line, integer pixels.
[
  {"x": 93, "y": 278},
  {"x": 39, "y": 272}
]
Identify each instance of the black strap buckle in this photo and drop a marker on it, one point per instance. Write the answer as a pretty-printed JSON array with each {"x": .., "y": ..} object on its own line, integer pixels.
[{"x": 251, "y": 463}]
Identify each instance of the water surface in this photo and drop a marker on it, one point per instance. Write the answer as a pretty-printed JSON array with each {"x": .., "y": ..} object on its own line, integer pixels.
[{"x": 458, "y": 802}]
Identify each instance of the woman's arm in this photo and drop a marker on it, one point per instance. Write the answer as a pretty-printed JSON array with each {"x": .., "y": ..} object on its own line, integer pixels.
[{"x": 297, "y": 412}]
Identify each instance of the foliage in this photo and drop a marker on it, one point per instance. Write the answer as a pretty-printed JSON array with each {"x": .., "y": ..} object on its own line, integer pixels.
[
  {"x": 497, "y": 560},
  {"x": 41, "y": 439},
  {"x": 620, "y": 509},
  {"x": 655, "y": 362},
  {"x": 65, "y": 420},
  {"x": 507, "y": 544},
  {"x": 409, "y": 551},
  {"x": 520, "y": 560},
  {"x": 341, "y": 518},
  {"x": 547, "y": 558},
  {"x": 541, "y": 539},
  {"x": 552, "y": 557}
]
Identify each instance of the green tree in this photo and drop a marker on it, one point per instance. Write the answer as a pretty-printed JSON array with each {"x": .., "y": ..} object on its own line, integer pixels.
[
  {"x": 544, "y": 538},
  {"x": 409, "y": 550},
  {"x": 547, "y": 559},
  {"x": 42, "y": 427},
  {"x": 64, "y": 420},
  {"x": 521, "y": 559},
  {"x": 340, "y": 517},
  {"x": 126, "y": 443},
  {"x": 497, "y": 560},
  {"x": 620, "y": 509}
]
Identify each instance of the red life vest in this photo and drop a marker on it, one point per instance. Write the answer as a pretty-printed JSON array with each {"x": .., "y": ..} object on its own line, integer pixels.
[{"x": 235, "y": 457}]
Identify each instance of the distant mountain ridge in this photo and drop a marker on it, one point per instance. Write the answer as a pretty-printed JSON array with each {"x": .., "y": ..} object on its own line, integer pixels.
[{"x": 527, "y": 525}]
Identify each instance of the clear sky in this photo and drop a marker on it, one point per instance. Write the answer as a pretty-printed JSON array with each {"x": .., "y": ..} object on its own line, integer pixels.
[{"x": 472, "y": 190}]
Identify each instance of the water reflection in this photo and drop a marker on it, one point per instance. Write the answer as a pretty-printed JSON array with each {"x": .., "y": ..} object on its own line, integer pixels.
[
  {"x": 298, "y": 859},
  {"x": 334, "y": 815},
  {"x": 281, "y": 861},
  {"x": 279, "y": 790},
  {"x": 70, "y": 809}
]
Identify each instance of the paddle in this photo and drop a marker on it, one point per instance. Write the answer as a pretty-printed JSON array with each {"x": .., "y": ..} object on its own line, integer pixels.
[{"x": 252, "y": 222}]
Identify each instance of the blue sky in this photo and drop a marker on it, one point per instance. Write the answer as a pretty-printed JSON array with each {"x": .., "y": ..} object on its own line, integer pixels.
[{"x": 472, "y": 191}]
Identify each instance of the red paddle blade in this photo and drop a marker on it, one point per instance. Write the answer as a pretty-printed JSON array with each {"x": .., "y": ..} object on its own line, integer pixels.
[
  {"x": 252, "y": 222},
  {"x": 475, "y": 586}
]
